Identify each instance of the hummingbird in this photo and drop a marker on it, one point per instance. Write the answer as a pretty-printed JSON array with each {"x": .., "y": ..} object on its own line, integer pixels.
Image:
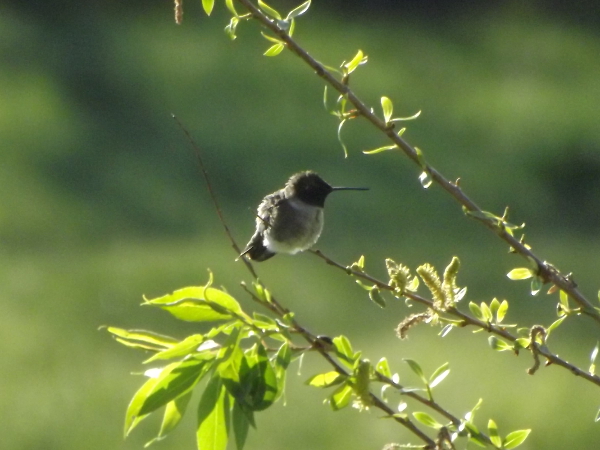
[{"x": 290, "y": 220}]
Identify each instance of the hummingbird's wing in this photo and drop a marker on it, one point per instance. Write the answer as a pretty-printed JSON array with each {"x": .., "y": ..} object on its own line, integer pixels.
[{"x": 265, "y": 216}]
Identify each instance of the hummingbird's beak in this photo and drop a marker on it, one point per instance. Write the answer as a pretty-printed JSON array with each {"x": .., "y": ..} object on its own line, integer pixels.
[{"x": 350, "y": 189}]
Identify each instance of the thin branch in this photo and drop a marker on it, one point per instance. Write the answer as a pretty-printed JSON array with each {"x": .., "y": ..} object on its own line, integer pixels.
[
  {"x": 213, "y": 196},
  {"x": 546, "y": 271},
  {"x": 467, "y": 320}
]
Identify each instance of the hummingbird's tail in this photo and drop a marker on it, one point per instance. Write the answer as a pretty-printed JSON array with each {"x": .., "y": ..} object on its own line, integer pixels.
[{"x": 255, "y": 249}]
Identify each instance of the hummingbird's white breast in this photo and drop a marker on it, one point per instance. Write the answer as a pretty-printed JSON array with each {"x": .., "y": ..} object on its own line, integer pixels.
[{"x": 295, "y": 227}]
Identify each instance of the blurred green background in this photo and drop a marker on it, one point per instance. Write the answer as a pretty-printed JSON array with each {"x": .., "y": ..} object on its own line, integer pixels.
[{"x": 102, "y": 200}]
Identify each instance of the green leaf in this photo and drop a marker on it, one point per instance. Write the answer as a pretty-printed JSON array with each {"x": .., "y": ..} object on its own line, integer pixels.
[
  {"x": 487, "y": 312},
  {"x": 358, "y": 59},
  {"x": 427, "y": 420},
  {"x": 499, "y": 344},
  {"x": 425, "y": 179},
  {"x": 404, "y": 119},
  {"x": 470, "y": 416},
  {"x": 388, "y": 109},
  {"x": 284, "y": 355},
  {"x": 564, "y": 300},
  {"x": 274, "y": 50},
  {"x": 494, "y": 305},
  {"x": 438, "y": 376},
  {"x": 185, "y": 347},
  {"x": 132, "y": 415},
  {"x": 520, "y": 273},
  {"x": 476, "y": 310},
  {"x": 383, "y": 368},
  {"x": 299, "y": 10},
  {"x": 208, "y": 6},
  {"x": 172, "y": 417},
  {"x": 271, "y": 38},
  {"x": 515, "y": 438},
  {"x": 138, "y": 339},
  {"x": 554, "y": 325},
  {"x": 502, "y": 310},
  {"x": 380, "y": 149},
  {"x": 241, "y": 425},
  {"x": 593, "y": 357},
  {"x": 375, "y": 296},
  {"x": 339, "y": 135},
  {"x": 173, "y": 381},
  {"x": 257, "y": 388},
  {"x": 493, "y": 431},
  {"x": 231, "y": 8},
  {"x": 597, "y": 418},
  {"x": 343, "y": 346},
  {"x": 536, "y": 285},
  {"x": 198, "y": 304},
  {"x": 447, "y": 329},
  {"x": 324, "y": 380},
  {"x": 268, "y": 10},
  {"x": 416, "y": 368},
  {"x": 523, "y": 342},
  {"x": 340, "y": 398},
  {"x": 213, "y": 416},
  {"x": 231, "y": 27}
]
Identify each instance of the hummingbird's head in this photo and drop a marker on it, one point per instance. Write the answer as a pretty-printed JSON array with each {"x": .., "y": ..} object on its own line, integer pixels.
[
  {"x": 312, "y": 189},
  {"x": 308, "y": 187}
]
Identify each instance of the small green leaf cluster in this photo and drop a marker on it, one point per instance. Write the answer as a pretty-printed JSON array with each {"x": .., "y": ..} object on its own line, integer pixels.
[
  {"x": 287, "y": 24},
  {"x": 233, "y": 355},
  {"x": 353, "y": 384}
]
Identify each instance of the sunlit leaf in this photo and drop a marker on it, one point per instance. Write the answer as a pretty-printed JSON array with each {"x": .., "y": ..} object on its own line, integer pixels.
[
  {"x": 438, "y": 376},
  {"x": 231, "y": 27},
  {"x": 486, "y": 311},
  {"x": 268, "y": 10},
  {"x": 404, "y": 119},
  {"x": 493, "y": 431},
  {"x": 555, "y": 325},
  {"x": 388, "y": 109},
  {"x": 383, "y": 368},
  {"x": 427, "y": 420},
  {"x": 515, "y": 438},
  {"x": 132, "y": 415},
  {"x": 520, "y": 273},
  {"x": 213, "y": 416},
  {"x": 358, "y": 59},
  {"x": 174, "y": 381},
  {"x": 208, "y": 5},
  {"x": 425, "y": 179},
  {"x": 343, "y": 346},
  {"x": 274, "y": 50},
  {"x": 271, "y": 38},
  {"x": 380, "y": 149},
  {"x": 341, "y": 397},
  {"x": 156, "y": 341},
  {"x": 231, "y": 8},
  {"x": 536, "y": 285},
  {"x": 188, "y": 345},
  {"x": 327, "y": 379},
  {"x": 416, "y": 368},
  {"x": 198, "y": 304},
  {"x": 376, "y": 297},
  {"x": 339, "y": 135},
  {"x": 299, "y": 10},
  {"x": 447, "y": 329},
  {"x": 499, "y": 344},
  {"x": 502, "y": 310},
  {"x": 476, "y": 310},
  {"x": 174, "y": 412}
]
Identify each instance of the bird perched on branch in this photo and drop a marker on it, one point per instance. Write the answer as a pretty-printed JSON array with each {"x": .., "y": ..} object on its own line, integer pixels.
[{"x": 290, "y": 220}]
